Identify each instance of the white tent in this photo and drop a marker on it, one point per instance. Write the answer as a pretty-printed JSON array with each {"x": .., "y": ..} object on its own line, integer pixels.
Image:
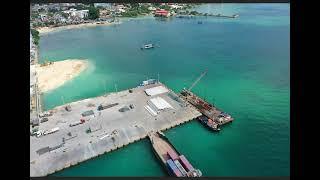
[
  {"x": 156, "y": 90},
  {"x": 159, "y": 104}
]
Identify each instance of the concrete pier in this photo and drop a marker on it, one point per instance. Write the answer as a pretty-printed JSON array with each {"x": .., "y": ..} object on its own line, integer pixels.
[{"x": 110, "y": 128}]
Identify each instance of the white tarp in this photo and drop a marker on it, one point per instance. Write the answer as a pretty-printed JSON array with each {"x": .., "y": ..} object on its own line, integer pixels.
[
  {"x": 156, "y": 90},
  {"x": 150, "y": 110},
  {"x": 160, "y": 104}
]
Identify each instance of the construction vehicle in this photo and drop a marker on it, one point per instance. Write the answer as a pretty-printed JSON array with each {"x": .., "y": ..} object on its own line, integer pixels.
[
  {"x": 106, "y": 106},
  {"x": 51, "y": 131}
]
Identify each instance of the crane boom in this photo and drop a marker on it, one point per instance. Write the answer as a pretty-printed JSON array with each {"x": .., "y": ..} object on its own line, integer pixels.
[{"x": 196, "y": 81}]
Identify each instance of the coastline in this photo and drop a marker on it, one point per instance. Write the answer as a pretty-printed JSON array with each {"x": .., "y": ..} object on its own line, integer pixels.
[
  {"x": 45, "y": 30},
  {"x": 55, "y": 75}
]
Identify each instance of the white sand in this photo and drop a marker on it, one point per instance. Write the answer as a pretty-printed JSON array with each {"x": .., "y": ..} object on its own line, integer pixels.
[
  {"x": 44, "y": 30},
  {"x": 56, "y": 74}
]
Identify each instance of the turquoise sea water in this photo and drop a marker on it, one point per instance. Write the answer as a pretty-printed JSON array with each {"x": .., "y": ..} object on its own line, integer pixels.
[{"x": 248, "y": 66}]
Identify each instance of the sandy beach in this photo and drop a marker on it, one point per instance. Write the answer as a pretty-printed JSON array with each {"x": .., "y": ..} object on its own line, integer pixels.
[
  {"x": 56, "y": 74},
  {"x": 44, "y": 30}
]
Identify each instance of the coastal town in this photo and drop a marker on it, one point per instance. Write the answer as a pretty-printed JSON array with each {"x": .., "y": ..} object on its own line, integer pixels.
[
  {"x": 78, "y": 131},
  {"x": 53, "y": 15}
]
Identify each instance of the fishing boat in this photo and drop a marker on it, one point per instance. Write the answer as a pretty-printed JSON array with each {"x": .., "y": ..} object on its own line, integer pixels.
[
  {"x": 175, "y": 163},
  {"x": 147, "y": 46}
]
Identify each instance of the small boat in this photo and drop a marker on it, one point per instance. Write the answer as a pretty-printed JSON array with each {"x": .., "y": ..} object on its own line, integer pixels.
[
  {"x": 209, "y": 123},
  {"x": 147, "y": 46},
  {"x": 235, "y": 15}
]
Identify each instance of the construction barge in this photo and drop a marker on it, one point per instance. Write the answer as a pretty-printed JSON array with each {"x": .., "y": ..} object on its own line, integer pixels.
[
  {"x": 175, "y": 163},
  {"x": 215, "y": 117},
  {"x": 212, "y": 117}
]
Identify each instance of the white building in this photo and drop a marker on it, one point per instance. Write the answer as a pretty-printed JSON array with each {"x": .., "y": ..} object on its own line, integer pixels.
[
  {"x": 105, "y": 5},
  {"x": 121, "y": 10},
  {"x": 77, "y": 13}
]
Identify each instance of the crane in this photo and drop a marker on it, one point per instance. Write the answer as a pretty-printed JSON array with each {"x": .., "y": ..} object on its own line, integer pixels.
[{"x": 196, "y": 81}]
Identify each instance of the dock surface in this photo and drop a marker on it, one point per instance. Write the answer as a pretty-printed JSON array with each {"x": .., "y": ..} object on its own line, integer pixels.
[{"x": 110, "y": 129}]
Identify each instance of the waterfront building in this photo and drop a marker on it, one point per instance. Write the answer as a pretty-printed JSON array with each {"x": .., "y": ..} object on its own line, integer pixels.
[{"x": 162, "y": 13}]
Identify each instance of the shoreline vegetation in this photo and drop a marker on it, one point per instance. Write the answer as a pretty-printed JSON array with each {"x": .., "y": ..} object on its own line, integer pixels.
[
  {"x": 57, "y": 73},
  {"x": 36, "y": 36},
  {"x": 48, "y": 29}
]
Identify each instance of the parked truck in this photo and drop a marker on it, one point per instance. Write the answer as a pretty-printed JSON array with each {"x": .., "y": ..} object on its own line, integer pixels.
[
  {"x": 75, "y": 123},
  {"x": 106, "y": 106},
  {"x": 51, "y": 131}
]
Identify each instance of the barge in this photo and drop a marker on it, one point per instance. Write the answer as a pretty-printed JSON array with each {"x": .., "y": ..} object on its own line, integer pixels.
[
  {"x": 175, "y": 163},
  {"x": 209, "y": 123},
  {"x": 213, "y": 117},
  {"x": 217, "y": 116}
]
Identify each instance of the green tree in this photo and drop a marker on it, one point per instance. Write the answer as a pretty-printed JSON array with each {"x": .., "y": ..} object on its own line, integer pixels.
[
  {"x": 35, "y": 35},
  {"x": 134, "y": 5},
  {"x": 52, "y": 10},
  {"x": 193, "y": 12},
  {"x": 156, "y": 4},
  {"x": 65, "y": 15},
  {"x": 93, "y": 13},
  {"x": 34, "y": 15}
]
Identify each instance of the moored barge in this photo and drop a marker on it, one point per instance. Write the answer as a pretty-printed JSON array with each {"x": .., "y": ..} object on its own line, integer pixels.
[
  {"x": 175, "y": 163},
  {"x": 216, "y": 117}
]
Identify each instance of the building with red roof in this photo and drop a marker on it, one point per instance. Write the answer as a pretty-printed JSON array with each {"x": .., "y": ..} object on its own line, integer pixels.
[{"x": 161, "y": 13}]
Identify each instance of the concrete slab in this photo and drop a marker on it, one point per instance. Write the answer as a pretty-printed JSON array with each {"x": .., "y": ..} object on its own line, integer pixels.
[{"x": 118, "y": 128}]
